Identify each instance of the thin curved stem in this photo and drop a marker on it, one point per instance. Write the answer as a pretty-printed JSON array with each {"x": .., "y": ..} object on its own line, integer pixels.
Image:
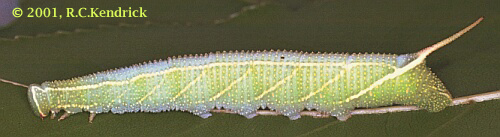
[
  {"x": 456, "y": 101},
  {"x": 477, "y": 98}
]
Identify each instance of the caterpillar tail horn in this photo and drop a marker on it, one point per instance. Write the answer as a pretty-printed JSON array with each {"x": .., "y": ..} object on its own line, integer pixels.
[
  {"x": 13, "y": 83},
  {"x": 425, "y": 52}
]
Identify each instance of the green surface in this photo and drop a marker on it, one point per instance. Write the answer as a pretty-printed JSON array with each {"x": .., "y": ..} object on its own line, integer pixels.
[{"x": 467, "y": 66}]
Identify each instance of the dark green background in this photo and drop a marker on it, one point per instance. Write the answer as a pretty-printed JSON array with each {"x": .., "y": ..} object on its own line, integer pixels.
[{"x": 468, "y": 66}]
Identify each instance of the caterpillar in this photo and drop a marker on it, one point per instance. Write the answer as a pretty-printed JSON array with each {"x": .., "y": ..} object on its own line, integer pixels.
[{"x": 286, "y": 82}]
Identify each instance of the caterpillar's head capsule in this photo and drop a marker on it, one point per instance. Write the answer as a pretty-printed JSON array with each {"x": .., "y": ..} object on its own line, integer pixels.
[{"x": 39, "y": 100}]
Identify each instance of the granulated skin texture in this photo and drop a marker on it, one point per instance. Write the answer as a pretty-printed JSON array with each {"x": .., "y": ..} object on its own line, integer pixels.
[{"x": 284, "y": 81}]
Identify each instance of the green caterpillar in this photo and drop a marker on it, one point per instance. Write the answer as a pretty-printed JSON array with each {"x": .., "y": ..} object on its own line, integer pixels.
[{"x": 283, "y": 81}]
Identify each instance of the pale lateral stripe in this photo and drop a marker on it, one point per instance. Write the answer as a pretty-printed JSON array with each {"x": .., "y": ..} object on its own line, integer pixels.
[
  {"x": 422, "y": 55},
  {"x": 396, "y": 73},
  {"x": 446, "y": 94},
  {"x": 189, "y": 85},
  {"x": 420, "y": 59},
  {"x": 74, "y": 105},
  {"x": 231, "y": 85},
  {"x": 35, "y": 99},
  {"x": 279, "y": 83},
  {"x": 324, "y": 86},
  {"x": 345, "y": 68},
  {"x": 151, "y": 92},
  {"x": 296, "y": 64},
  {"x": 167, "y": 71}
]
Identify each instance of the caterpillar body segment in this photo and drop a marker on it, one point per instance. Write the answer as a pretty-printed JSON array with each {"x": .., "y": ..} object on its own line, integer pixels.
[{"x": 284, "y": 81}]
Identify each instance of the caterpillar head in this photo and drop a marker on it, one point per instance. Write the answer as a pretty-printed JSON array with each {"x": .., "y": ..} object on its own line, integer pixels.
[{"x": 39, "y": 100}]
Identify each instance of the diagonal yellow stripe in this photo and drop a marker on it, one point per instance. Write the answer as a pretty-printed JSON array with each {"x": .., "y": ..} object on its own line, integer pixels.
[
  {"x": 323, "y": 86},
  {"x": 231, "y": 85},
  {"x": 151, "y": 92},
  {"x": 189, "y": 85},
  {"x": 164, "y": 72},
  {"x": 279, "y": 83},
  {"x": 345, "y": 69},
  {"x": 397, "y": 72}
]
